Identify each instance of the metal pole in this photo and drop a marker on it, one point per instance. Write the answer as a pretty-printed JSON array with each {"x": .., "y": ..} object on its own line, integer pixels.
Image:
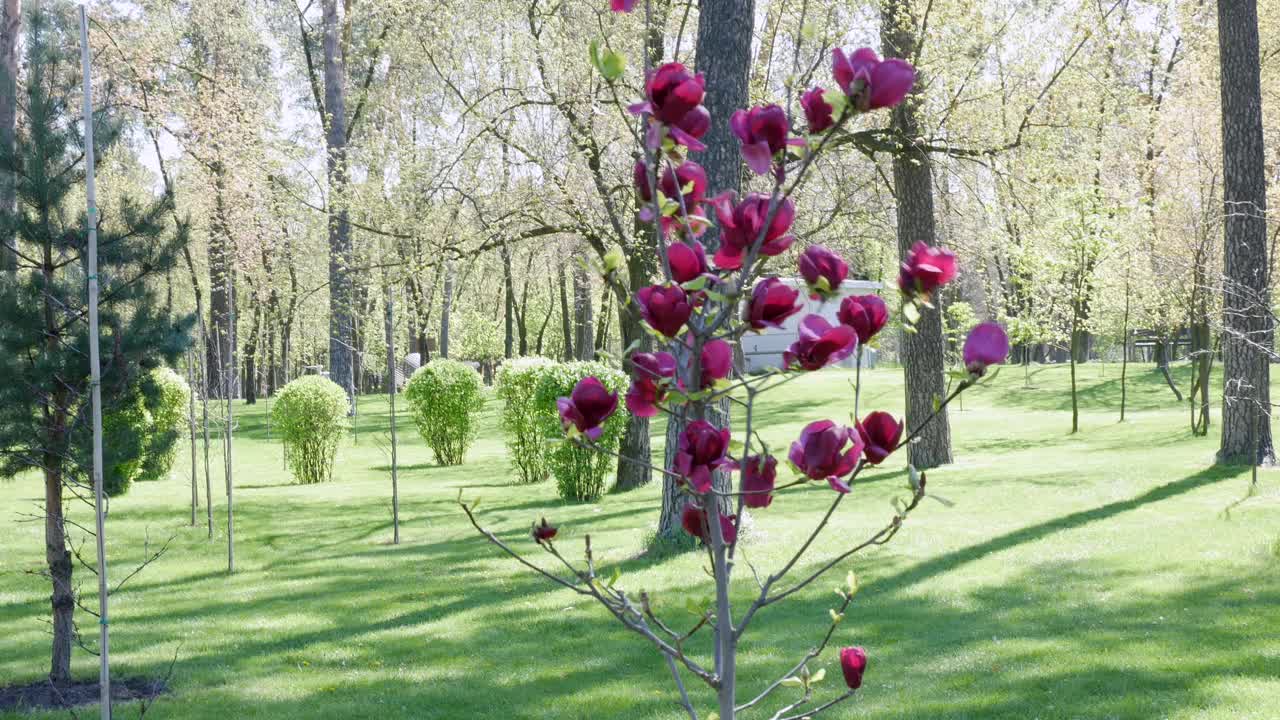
[
  {"x": 95, "y": 374},
  {"x": 391, "y": 398}
]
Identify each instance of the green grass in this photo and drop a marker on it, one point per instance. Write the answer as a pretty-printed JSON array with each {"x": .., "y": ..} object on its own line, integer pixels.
[{"x": 1109, "y": 574}]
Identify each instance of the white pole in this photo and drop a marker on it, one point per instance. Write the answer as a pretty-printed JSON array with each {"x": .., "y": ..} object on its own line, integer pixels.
[{"x": 95, "y": 374}]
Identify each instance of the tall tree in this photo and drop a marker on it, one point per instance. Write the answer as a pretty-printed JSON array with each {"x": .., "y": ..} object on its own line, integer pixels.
[
  {"x": 10, "y": 28},
  {"x": 44, "y": 400},
  {"x": 1247, "y": 320},
  {"x": 725, "y": 30},
  {"x": 341, "y": 287},
  {"x": 923, "y": 352}
]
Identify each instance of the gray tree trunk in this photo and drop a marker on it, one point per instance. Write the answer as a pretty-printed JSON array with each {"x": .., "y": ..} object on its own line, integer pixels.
[
  {"x": 566, "y": 319},
  {"x": 222, "y": 338},
  {"x": 924, "y": 351},
  {"x": 583, "y": 335},
  {"x": 446, "y": 309},
  {"x": 10, "y": 28},
  {"x": 1247, "y": 330},
  {"x": 642, "y": 264},
  {"x": 341, "y": 288},
  {"x": 725, "y": 29},
  {"x": 509, "y": 309}
]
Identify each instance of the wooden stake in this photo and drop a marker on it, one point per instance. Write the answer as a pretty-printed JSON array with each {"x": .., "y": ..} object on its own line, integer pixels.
[{"x": 95, "y": 375}]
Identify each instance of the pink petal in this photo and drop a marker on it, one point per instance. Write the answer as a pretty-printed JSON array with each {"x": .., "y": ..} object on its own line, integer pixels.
[
  {"x": 758, "y": 157},
  {"x": 687, "y": 140}
]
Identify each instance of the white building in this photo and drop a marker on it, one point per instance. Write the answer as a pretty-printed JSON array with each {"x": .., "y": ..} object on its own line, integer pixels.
[{"x": 764, "y": 350}]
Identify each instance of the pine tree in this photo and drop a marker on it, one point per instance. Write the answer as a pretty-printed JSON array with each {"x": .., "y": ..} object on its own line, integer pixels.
[{"x": 44, "y": 399}]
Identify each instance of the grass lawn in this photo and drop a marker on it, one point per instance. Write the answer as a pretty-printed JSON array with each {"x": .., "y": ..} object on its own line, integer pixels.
[{"x": 1114, "y": 573}]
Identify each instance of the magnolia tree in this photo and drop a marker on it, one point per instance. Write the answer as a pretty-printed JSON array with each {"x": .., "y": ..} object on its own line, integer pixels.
[{"x": 695, "y": 314}]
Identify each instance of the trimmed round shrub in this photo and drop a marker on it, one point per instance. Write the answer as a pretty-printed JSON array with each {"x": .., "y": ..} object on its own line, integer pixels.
[
  {"x": 526, "y": 444},
  {"x": 124, "y": 432},
  {"x": 446, "y": 396},
  {"x": 140, "y": 433},
  {"x": 580, "y": 472},
  {"x": 311, "y": 415},
  {"x": 166, "y": 396}
]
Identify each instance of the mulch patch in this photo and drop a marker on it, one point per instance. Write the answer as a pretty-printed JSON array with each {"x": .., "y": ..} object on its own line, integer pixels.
[{"x": 44, "y": 695}]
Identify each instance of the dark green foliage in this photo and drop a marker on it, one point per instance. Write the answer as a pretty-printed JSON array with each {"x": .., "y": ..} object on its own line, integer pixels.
[
  {"x": 140, "y": 435},
  {"x": 45, "y": 419}
]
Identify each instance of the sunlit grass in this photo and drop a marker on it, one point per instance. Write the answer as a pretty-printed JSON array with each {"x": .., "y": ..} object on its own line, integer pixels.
[{"x": 1095, "y": 575}]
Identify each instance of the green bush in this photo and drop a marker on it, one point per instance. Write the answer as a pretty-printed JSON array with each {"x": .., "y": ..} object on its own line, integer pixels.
[
  {"x": 311, "y": 415},
  {"x": 445, "y": 396},
  {"x": 140, "y": 434},
  {"x": 580, "y": 472},
  {"x": 526, "y": 444},
  {"x": 166, "y": 400}
]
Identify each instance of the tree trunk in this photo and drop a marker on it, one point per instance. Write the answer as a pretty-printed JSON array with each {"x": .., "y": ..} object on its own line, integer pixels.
[
  {"x": 446, "y": 309},
  {"x": 636, "y": 443},
  {"x": 10, "y": 27},
  {"x": 566, "y": 320},
  {"x": 583, "y": 341},
  {"x": 1124, "y": 339},
  {"x": 251, "y": 358},
  {"x": 341, "y": 289},
  {"x": 509, "y": 309},
  {"x": 922, "y": 355},
  {"x": 1246, "y": 303},
  {"x": 725, "y": 30},
  {"x": 222, "y": 336}
]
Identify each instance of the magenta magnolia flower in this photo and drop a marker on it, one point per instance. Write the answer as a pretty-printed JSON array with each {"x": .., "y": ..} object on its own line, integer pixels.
[
  {"x": 880, "y": 434},
  {"x": 665, "y": 307},
  {"x": 622, "y": 6},
  {"x": 716, "y": 361},
  {"x": 763, "y": 133},
  {"x": 926, "y": 269},
  {"x": 866, "y": 314},
  {"x": 853, "y": 663},
  {"x": 687, "y": 261},
  {"x": 688, "y": 174},
  {"x": 742, "y": 222},
  {"x": 823, "y": 271},
  {"x": 820, "y": 344},
  {"x": 818, "y": 113},
  {"x": 870, "y": 82},
  {"x": 544, "y": 532},
  {"x": 675, "y": 100},
  {"x": 827, "y": 451},
  {"x": 986, "y": 345},
  {"x": 772, "y": 302},
  {"x": 648, "y": 387},
  {"x": 702, "y": 450},
  {"x": 587, "y": 407},
  {"x": 758, "y": 477},
  {"x": 694, "y": 521}
]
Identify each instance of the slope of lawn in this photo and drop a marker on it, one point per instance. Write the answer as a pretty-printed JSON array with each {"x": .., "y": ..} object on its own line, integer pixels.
[{"x": 1114, "y": 573}]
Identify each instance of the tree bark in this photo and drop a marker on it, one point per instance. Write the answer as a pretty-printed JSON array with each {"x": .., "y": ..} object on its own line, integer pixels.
[
  {"x": 923, "y": 352},
  {"x": 566, "y": 320},
  {"x": 341, "y": 288},
  {"x": 446, "y": 309},
  {"x": 725, "y": 30},
  {"x": 583, "y": 340},
  {"x": 509, "y": 309},
  {"x": 1247, "y": 330},
  {"x": 10, "y": 28},
  {"x": 222, "y": 337}
]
